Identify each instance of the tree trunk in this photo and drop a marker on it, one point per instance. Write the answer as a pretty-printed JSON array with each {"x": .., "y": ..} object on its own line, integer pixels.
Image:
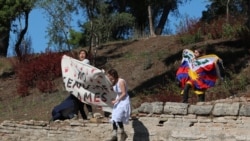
[
  {"x": 4, "y": 41},
  {"x": 20, "y": 39},
  {"x": 228, "y": 10},
  {"x": 151, "y": 26},
  {"x": 163, "y": 19},
  {"x": 248, "y": 13}
]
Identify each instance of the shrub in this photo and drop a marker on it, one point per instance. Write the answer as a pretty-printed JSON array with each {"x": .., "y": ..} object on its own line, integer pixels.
[
  {"x": 6, "y": 67},
  {"x": 244, "y": 34},
  {"x": 191, "y": 38},
  {"x": 190, "y": 31},
  {"x": 39, "y": 72}
]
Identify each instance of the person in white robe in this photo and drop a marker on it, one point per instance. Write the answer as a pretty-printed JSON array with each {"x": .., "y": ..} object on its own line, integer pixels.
[{"x": 121, "y": 109}]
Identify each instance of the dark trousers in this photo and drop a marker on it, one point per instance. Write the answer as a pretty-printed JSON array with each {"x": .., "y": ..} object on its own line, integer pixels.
[
  {"x": 201, "y": 97},
  {"x": 185, "y": 93},
  {"x": 81, "y": 109},
  {"x": 120, "y": 124},
  {"x": 89, "y": 107}
]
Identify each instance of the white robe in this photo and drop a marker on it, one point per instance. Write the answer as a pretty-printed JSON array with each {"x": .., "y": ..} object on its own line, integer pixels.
[{"x": 121, "y": 110}]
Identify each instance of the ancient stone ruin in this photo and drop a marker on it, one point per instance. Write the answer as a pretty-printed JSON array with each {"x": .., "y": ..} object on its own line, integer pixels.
[{"x": 221, "y": 120}]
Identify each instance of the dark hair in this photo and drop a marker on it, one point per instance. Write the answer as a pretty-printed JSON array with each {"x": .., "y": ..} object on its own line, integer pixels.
[
  {"x": 83, "y": 51},
  {"x": 201, "y": 51},
  {"x": 113, "y": 73}
]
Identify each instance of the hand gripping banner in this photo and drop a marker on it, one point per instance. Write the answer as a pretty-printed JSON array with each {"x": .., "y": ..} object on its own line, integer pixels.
[{"x": 89, "y": 84}]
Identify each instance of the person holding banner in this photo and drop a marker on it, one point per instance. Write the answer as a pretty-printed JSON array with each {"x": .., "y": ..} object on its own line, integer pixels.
[
  {"x": 121, "y": 109},
  {"x": 199, "y": 72},
  {"x": 83, "y": 58}
]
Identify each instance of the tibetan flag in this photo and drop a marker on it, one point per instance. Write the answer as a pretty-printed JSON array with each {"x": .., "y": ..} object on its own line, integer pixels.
[
  {"x": 89, "y": 84},
  {"x": 202, "y": 72}
]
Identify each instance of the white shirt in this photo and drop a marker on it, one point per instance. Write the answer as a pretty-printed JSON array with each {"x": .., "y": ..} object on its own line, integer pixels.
[{"x": 85, "y": 61}]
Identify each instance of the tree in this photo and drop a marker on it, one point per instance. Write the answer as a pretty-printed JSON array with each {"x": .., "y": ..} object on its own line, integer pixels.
[
  {"x": 248, "y": 13},
  {"x": 106, "y": 23},
  {"x": 21, "y": 35},
  {"x": 59, "y": 14},
  {"x": 139, "y": 10},
  {"x": 165, "y": 12},
  {"x": 160, "y": 12},
  {"x": 109, "y": 19},
  {"x": 76, "y": 39},
  {"x": 10, "y": 10},
  {"x": 151, "y": 26},
  {"x": 228, "y": 8}
]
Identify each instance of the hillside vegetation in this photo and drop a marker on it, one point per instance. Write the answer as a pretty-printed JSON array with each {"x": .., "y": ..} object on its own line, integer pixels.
[{"x": 148, "y": 65}]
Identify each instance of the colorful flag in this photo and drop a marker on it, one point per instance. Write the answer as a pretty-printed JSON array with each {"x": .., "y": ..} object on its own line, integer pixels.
[
  {"x": 89, "y": 84},
  {"x": 202, "y": 72}
]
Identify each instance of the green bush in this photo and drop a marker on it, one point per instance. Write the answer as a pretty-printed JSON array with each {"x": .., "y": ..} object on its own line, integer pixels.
[{"x": 191, "y": 38}]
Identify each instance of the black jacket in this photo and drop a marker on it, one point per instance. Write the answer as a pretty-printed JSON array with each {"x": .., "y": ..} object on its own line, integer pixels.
[{"x": 68, "y": 109}]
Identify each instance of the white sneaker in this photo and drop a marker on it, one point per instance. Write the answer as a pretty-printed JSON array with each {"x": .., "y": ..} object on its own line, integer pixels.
[
  {"x": 90, "y": 115},
  {"x": 75, "y": 117}
]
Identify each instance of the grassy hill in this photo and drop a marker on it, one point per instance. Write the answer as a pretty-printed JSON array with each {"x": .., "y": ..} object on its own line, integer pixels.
[{"x": 148, "y": 65}]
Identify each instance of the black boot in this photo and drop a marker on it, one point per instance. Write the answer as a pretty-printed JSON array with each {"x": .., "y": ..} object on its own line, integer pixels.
[
  {"x": 113, "y": 138},
  {"x": 201, "y": 97},
  {"x": 124, "y": 136},
  {"x": 185, "y": 93}
]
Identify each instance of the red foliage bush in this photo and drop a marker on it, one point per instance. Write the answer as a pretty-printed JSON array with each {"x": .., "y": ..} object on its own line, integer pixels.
[
  {"x": 188, "y": 26},
  {"x": 39, "y": 71},
  {"x": 214, "y": 29}
]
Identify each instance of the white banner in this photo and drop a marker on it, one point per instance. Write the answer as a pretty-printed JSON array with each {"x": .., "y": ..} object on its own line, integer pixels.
[{"x": 87, "y": 83}]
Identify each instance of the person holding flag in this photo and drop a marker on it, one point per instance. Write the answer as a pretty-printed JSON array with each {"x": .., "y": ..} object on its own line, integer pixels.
[{"x": 199, "y": 72}]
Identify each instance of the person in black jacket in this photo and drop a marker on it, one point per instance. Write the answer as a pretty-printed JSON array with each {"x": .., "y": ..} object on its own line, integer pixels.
[{"x": 68, "y": 109}]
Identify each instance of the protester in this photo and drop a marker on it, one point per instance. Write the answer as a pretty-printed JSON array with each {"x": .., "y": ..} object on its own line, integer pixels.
[
  {"x": 188, "y": 85},
  {"x": 68, "y": 109},
  {"x": 197, "y": 79},
  {"x": 71, "y": 106},
  {"x": 121, "y": 109},
  {"x": 83, "y": 54}
]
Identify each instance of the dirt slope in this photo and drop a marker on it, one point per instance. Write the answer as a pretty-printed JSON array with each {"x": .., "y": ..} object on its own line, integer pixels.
[{"x": 148, "y": 66}]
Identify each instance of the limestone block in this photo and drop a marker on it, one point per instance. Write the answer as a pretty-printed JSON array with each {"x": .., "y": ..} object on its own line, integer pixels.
[
  {"x": 157, "y": 107},
  {"x": 245, "y": 110},
  {"x": 200, "y": 109},
  {"x": 145, "y": 108},
  {"x": 175, "y": 108},
  {"x": 226, "y": 109}
]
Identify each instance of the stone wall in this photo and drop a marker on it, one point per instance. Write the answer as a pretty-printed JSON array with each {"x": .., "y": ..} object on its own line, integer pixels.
[{"x": 224, "y": 120}]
